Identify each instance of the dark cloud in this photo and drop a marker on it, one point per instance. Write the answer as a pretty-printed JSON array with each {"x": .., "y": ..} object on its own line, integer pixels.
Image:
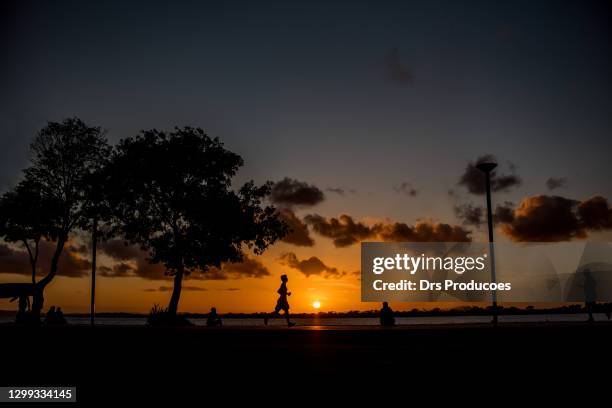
[
  {"x": 72, "y": 263},
  {"x": 595, "y": 214},
  {"x": 474, "y": 180},
  {"x": 290, "y": 192},
  {"x": 554, "y": 183},
  {"x": 118, "y": 270},
  {"x": 406, "y": 188},
  {"x": 248, "y": 268},
  {"x": 476, "y": 216},
  {"x": 396, "y": 70},
  {"x": 423, "y": 231},
  {"x": 170, "y": 288},
  {"x": 132, "y": 262},
  {"x": 504, "y": 213},
  {"x": 14, "y": 261},
  {"x": 470, "y": 214},
  {"x": 555, "y": 218},
  {"x": 298, "y": 230},
  {"x": 544, "y": 218},
  {"x": 345, "y": 231},
  {"x": 118, "y": 249},
  {"x": 310, "y": 266}
]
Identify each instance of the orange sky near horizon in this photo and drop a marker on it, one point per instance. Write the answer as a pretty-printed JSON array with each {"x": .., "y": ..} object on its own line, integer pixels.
[{"x": 246, "y": 294}]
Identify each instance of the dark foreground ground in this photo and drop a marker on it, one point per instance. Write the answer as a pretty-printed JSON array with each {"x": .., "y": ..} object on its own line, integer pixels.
[{"x": 109, "y": 364}]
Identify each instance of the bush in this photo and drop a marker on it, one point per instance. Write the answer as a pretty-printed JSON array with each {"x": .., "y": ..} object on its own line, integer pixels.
[{"x": 159, "y": 316}]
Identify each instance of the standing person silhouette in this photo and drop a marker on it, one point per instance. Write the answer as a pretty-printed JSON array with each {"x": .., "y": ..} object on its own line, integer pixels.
[
  {"x": 282, "y": 303},
  {"x": 590, "y": 293}
]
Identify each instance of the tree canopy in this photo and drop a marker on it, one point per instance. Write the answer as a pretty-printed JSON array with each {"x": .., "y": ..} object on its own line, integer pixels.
[{"x": 171, "y": 193}]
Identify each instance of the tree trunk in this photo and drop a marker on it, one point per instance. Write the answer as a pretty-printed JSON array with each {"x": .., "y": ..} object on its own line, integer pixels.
[
  {"x": 176, "y": 291},
  {"x": 32, "y": 260},
  {"x": 38, "y": 298},
  {"x": 38, "y": 301}
]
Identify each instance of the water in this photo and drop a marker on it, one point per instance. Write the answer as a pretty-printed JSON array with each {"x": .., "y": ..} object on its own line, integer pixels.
[{"x": 346, "y": 321}]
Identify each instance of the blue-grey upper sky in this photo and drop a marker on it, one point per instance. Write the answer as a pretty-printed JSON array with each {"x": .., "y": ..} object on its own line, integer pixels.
[{"x": 353, "y": 94}]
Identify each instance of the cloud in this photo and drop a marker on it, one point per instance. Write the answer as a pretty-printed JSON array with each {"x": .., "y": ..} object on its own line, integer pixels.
[
  {"x": 555, "y": 218},
  {"x": 118, "y": 249},
  {"x": 474, "y": 180},
  {"x": 555, "y": 183},
  {"x": 406, "y": 188},
  {"x": 130, "y": 261},
  {"x": 476, "y": 216},
  {"x": 504, "y": 213},
  {"x": 544, "y": 218},
  {"x": 121, "y": 269},
  {"x": 298, "y": 234},
  {"x": 72, "y": 263},
  {"x": 470, "y": 214},
  {"x": 310, "y": 266},
  {"x": 345, "y": 231},
  {"x": 422, "y": 231},
  {"x": 336, "y": 190},
  {"x": 289, "y": 192},
  {"x": 595, "y": 214},
  {"x": 248, "y": 268},
  {"x": 395, "y": 70},
  {"x": 170, "y": 288}
]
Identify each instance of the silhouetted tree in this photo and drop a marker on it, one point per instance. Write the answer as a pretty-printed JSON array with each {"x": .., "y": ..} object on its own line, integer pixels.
[
  {"x": 27, "y": 217},
  {"x": 64, "y": 155},
  {"x": 173, "y": 197}
]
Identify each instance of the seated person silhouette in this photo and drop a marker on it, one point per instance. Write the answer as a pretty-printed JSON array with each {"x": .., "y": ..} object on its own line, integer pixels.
[
  {"x": 59, "y": 315},
  {"x": 55, "y": 317},
  {"x": 386, "y": 316},
  {"x": 282, "y": 303},
  {"x": 213, "y": 319},
  {"x": 51, "y": 316}
]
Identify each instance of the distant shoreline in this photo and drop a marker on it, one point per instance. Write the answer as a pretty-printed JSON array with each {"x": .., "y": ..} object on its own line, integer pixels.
[{"x": 462, "y": 311}]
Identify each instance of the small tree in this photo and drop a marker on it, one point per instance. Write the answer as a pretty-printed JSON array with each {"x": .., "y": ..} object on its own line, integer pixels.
[
  {"x": 64, "y": 155},
  {"x": 173, "y": 197},
  {"x": 27, "y": 217}
]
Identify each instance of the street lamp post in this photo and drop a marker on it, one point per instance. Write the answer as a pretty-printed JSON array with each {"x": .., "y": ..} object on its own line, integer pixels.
[
  {"x": 94, "y": 242},
  {"x": 487, "y": 168}
]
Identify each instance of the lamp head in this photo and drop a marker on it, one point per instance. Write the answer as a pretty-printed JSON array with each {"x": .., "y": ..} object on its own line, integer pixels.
[{"x": 486, "y": 167}]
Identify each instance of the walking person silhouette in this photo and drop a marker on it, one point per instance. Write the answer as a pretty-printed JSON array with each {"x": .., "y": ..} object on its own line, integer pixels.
[{"x": 282, "y": 303}]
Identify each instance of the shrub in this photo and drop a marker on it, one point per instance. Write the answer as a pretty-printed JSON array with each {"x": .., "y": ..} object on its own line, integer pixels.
[{"x": 159, "y": 316}]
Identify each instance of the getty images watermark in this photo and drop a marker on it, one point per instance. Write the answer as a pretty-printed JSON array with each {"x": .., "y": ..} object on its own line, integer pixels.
[{"x": 459, "y": 271}]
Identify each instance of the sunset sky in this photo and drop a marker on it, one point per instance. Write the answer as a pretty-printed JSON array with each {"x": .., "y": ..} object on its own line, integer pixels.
[{"x": 367, "y": 115}]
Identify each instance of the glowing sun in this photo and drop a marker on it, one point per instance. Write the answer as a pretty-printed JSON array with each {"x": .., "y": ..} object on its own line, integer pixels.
[{"x": 316, "y": 304}]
